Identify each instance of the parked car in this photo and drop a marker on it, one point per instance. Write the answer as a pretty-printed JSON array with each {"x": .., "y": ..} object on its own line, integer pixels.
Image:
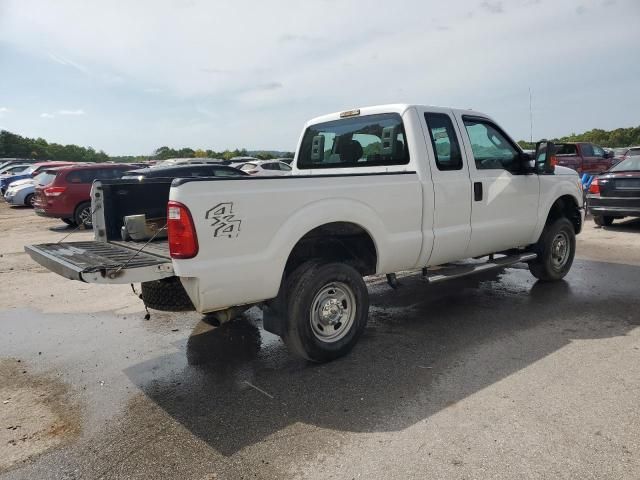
[
  {"x": 14, "y": 169},
  {"x": 29, "y": 172},
  {"x": 616, "y": 193},
  {"x": 376, "y": 190},
  {"x": 21, "y": 192},
  {"x": 623, "y": 153},
  {"x": 583, "y": 157},
  {"x": 262, "y": 168},
  {"x": 183, "y": 171},
  {"x": 65, "y": 192},
  {"x": 5, "y": 162}
]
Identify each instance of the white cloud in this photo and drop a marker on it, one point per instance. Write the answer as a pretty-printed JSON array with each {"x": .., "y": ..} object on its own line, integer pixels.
[
  {"x": 68, "y": 63},
  {"x": 46, "y": 115},
  {"x": 71, "y": 112},
  {"x": 4, "y": 110}
]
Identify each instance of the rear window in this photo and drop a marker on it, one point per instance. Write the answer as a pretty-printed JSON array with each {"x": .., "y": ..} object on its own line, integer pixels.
[
  {"x": 45, "y": 178},
  {"x": 372, "y": 140},
  {"x": 633, "y": 152},
  {"x": 632, "y": 163},
  {"x": 566, "y": 149}
]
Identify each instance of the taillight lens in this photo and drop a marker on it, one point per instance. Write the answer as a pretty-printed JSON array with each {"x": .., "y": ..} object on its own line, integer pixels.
[
  {"x": 54, "y": 191},
  {"x": 554, "y": 161},
  {"x": 594, "y": 189},
  {"x": 183, "y": 241}
]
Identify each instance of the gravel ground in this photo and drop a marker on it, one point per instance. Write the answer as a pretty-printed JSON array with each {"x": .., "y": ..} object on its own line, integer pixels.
[{"x": 494, "y": 376}]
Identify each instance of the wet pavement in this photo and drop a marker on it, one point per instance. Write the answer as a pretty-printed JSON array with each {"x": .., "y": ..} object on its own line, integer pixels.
[{"x": 493, "y": 376}]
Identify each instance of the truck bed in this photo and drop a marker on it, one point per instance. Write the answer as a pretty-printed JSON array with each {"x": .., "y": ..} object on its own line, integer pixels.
[{"x": 159, "y": 248}]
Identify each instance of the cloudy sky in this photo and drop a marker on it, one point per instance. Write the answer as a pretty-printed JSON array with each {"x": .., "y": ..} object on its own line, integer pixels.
[{"x": 128, "y": 77}]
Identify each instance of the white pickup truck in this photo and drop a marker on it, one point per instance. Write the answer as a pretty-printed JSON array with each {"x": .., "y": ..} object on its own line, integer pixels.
[{"x": 376, "y": 190}]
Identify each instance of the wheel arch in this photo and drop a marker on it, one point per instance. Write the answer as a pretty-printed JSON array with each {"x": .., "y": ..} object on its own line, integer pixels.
[{"x": 565, "y": 206}]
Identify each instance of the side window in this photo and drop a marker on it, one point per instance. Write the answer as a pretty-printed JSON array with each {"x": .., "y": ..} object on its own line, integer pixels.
[
  {"x": 284, "y": 167},
  {"x": 224, "y": 172},
  {"x": 444, "y": 141},
  {"x": 491, "y": 149},
  {"x": 79, "y": 176},
  {"x": 597, "y": 151},
  {"x": 587, "y": 150}
]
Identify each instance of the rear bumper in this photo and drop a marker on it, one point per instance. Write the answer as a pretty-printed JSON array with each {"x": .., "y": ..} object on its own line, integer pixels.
[
  {"x": 48, "y": 213},
  {"x": 614, "y": 206}
]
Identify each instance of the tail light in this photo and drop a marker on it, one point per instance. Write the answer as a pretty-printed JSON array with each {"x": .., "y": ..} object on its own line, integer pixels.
[
  {"x": 54, "y": 191},
  {"x": 183, "y": 241},
  {"x": 554, "y": 161},
  {"x": 594, "y": 189}
]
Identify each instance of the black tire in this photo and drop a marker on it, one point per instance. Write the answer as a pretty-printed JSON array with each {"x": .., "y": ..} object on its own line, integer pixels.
[
  {"x": 167, "y": 295},
  {"x": 82, "y": 215},
  {"x": 603, "y": 220},
  {"x": 28, "y": 201},
  {"x": 309, "y": 334},
  {"x": 69, "y": 221},
  {"x": 556, "y": 250}
]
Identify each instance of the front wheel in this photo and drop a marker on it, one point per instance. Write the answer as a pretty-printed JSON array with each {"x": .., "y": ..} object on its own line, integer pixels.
[
  {"x": 327, "y": 305},
  {"x": 556, "y": 250},
  {"x": 603, "y": 220},
  {"x": 28, "y": 202}
]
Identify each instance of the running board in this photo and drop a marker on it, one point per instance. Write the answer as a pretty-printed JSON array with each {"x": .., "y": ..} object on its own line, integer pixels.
[{"x": 457, "y": 270}]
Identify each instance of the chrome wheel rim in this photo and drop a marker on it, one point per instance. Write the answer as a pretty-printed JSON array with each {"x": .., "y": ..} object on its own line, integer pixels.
[
  {"x": 560, "y": 249},
  {"x": 333, "y": 312},
  {"x": 85, "y": 216}
]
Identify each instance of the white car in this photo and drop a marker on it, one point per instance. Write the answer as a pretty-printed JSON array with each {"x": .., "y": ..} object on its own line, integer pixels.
[
  {"x": 11, "y": 170},
  {"x": 265, "y": 168},
  {"x": 376, "y": 190}
]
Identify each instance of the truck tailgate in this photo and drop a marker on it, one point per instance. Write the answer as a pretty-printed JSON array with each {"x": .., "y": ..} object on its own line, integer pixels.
[{"x": 100, "y": 262}]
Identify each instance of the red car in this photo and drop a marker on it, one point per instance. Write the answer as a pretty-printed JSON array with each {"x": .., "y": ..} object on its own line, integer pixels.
[{"x": 66, "y": 194}]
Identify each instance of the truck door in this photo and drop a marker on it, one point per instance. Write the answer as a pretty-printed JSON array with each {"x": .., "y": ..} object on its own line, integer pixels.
[
  {"x": 451, "y": 186},
  {"x": 504, "y": 210}
]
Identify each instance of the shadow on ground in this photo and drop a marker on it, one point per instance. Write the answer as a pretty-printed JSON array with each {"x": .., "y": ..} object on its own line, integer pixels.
[{"x": 426, "y": 347}]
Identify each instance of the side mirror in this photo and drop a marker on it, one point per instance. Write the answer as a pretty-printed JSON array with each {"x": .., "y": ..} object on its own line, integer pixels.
[
  {"x": 527, "y": 163},
  {"x": 608, "y": 154},
  {"x": 545, "y": 161}
]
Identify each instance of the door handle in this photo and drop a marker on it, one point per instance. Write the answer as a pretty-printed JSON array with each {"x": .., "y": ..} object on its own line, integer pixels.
[{"x": 477, "y": 191}]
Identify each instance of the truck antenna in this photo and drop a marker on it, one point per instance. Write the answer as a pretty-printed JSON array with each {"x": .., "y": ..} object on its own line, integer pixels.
[{"x": 530, "y": 117}]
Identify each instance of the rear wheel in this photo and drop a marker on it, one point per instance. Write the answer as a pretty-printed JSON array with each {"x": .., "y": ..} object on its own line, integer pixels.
[
  {"x": 167, "y": 295},
  {"x": 556, "y": 249},
  {"x": 82, "y": 215},
  {"x": 603, "y": 220},
  {"x": 28, "y": 201},
  {"x": 327, "y": 305}
]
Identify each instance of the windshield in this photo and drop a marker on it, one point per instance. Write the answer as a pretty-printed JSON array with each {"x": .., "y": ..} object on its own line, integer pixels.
[
  {"x": 28, "y": 170},
  {"x": 632, "y": 163}
]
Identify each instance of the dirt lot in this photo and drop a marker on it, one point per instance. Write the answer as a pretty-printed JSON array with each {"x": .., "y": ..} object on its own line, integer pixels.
[{"x": 488, "y": 377}]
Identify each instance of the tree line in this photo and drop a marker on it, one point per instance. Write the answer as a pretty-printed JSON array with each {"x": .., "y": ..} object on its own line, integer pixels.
[
  {"x": 17, "y": 146},
  {"x": 620, "y": 137}
]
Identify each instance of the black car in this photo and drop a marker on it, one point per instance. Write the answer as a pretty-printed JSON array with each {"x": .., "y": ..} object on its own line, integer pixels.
[
  {"x": 184, "y": 171},
  {"x": 616, "y": 193}
]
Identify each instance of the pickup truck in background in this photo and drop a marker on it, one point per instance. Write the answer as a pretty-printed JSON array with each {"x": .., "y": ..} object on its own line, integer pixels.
[
  {"x": 584, "y": 157},
  {"x": 375, "y": 190}
]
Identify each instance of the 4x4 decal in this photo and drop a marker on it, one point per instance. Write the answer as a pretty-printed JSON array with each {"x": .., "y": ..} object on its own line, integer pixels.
[{"x": 224, "y": 222}]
